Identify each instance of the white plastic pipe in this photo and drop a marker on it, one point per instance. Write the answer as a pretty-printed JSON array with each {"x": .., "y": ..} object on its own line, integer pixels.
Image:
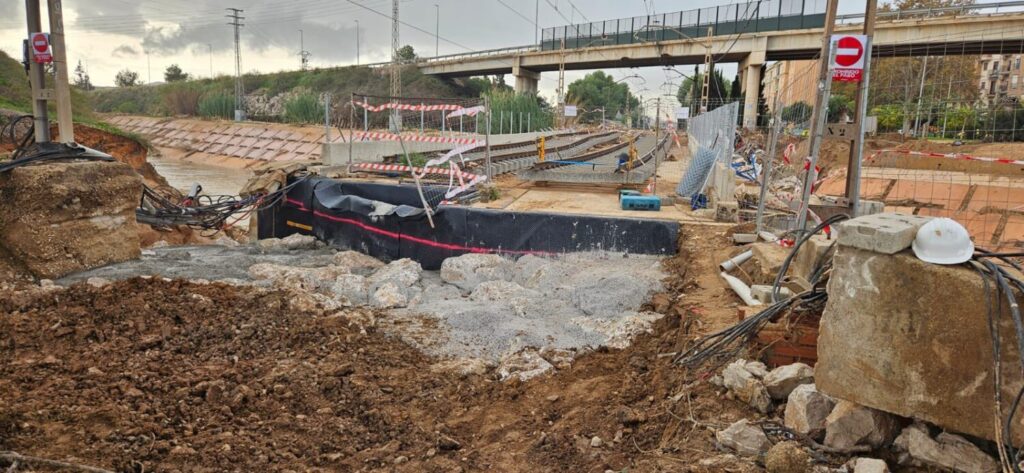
[
  {"x": 741, "y": 289},
  {"x": 736, "y": 261}
]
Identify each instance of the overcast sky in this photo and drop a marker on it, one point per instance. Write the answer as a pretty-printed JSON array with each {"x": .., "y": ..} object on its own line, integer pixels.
[{"x": 110, "y": 35}]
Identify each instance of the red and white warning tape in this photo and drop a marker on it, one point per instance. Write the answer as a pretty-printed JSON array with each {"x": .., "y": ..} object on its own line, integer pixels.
[
  {"x": 957, "y": 156},
  {"x": 418, "y": 170},
  {"x": 466, "y": 179},
  {"x": 408, "y": 106},
  {"x": 385, "y": 136}
]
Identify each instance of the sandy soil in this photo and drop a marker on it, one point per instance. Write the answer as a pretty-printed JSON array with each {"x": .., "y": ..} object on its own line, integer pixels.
[{"x": 155, "y": 375}]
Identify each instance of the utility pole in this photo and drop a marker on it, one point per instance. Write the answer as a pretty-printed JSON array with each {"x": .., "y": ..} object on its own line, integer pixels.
[
  {"x": 236, "y": 21},
  {"x": 303, "y": 54},
  {"x": 437, "y": 29},
  {"x": 705, "y": 88},
  {"x": 396, "y": 65},
  {"x": 357, "y": 42},
  {"x": 209, "y": 48},
  {"x": 561, "y": 84},
  {"x": 657, "y": 136},
  {"x": 65, "y": 125},
  {"x": 819, "y": 115},
  {"x": 149, "y": 70},
  {"x": 36, "y": 74}
]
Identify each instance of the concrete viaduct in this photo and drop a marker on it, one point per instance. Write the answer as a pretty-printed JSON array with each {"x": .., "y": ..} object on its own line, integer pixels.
[{"x": 992, "y": 33}]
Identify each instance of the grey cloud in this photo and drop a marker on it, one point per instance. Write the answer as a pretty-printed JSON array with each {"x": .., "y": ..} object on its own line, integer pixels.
[{"x": 124, "y": 50}]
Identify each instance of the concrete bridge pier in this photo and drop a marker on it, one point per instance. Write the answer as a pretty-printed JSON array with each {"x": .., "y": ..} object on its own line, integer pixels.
[
  {"x": 750, "y": 80},
  {"x": 526, "y": 80}
]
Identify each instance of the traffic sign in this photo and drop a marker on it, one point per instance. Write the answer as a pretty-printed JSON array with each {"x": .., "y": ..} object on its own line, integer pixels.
[
  {"x": 569, "y": 111},
  {"x": 40, "y": 43},
  {"x": 848, "y": 65}
]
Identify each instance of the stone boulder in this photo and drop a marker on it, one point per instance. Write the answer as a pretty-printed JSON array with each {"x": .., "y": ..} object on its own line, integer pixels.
[
  {"x": 740, "y": 378},
  {"x": 783, "y": 380},
  {"x": 295, "y": 241},
  {"x": 806, "y": 411},
  {"x": 356, "y": 262},
  {"x": 851, "y": 424},
  {"x": 351, "y": 290},
  {"x": 911, "y": 338},
  {"x": 787, "y": 457},
  {"x": 744, "y": 438},
  {"x": 945, "y": 451},
  {"x": 469, "y": 270},
  {"x": 524, "y": 365},
  {"x": 868, "y": 465},
  {"x": 62, "y": 218},
  {"x": 404, "y": 273}
]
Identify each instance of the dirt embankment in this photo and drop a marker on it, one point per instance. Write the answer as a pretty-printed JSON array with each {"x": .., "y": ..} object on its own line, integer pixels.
[
  {"x": 152, "y": 375},
  {"x": 122, "y": 148}
]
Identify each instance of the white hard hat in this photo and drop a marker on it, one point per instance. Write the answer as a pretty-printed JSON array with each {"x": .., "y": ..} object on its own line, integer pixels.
[{"x": 943, "y": 241}]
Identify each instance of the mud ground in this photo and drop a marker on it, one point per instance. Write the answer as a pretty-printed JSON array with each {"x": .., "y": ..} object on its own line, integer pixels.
[{"x": 159, "y": 375}]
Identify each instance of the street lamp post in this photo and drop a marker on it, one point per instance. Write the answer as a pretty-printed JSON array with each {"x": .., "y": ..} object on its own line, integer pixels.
[
  {"x": 437, "y": 29},
  {"x": 357, "y": 42}
]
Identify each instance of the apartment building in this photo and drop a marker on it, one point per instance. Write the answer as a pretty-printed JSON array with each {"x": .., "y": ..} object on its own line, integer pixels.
[
  {"x": 1000, "y": 77},
  {"x": 796, "y": 81}
]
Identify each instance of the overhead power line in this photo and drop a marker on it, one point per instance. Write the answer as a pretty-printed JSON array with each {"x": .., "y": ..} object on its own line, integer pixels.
[{"x": 528, "y": 20}]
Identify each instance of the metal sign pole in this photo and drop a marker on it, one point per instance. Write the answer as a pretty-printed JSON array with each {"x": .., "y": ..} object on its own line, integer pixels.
[{"x": 857, "y": 150}]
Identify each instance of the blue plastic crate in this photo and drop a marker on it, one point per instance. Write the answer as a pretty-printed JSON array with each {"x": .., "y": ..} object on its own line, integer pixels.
[
  {"x": 641, "y": 202},
  {"x": 625, "y": 192}
]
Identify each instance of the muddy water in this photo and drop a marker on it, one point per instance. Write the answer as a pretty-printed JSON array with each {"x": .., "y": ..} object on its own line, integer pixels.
[{"x": 216, "y": 180}]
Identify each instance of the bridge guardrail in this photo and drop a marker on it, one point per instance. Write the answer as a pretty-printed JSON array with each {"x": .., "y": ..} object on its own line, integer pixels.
[{"x": 754, "y": 16}]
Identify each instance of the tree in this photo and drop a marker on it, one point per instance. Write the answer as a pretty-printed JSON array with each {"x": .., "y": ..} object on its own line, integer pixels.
[
  {"x": 174, "y": 74},
  {"x": 406, "y": 54},
  {"x": 126, "y": 78},
  {"x": 599, "y": 90},
  {"x": 797, "y": 113},
  {"x": 82, "y": 80},
  {"x": 839, "y": 107},
  {"x": 690, "y": 90}
]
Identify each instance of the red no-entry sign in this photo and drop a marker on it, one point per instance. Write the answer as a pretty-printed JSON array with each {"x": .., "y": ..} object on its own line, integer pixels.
[
  {"x": 848, "y": 65},
  {"x": 40, "y": 44}
]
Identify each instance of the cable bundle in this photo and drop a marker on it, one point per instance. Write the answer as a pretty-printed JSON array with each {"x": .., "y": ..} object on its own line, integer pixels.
[
  {"x": 998, "y": 277},
  {"x": 726, "y": 344},
  {"x": 210, "y": 213}
]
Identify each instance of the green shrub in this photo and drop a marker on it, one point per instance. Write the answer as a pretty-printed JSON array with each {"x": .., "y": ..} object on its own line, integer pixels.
[
  {"x": 217, "y": 105},
  {"x": 181, "y": 98},
  {"x": 505, "y": 101},
  {"x": 303, "y": 108}
]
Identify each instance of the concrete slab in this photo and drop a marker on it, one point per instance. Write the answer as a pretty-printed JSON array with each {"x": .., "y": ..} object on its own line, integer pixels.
[{"x": 883, "y": 233}]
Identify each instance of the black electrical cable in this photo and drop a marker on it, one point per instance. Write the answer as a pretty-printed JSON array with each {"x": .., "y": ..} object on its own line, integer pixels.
[{"x": 777, "y": 284}]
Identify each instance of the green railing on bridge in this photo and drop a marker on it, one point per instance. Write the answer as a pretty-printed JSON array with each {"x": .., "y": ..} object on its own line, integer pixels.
[{"x": 750, "y": 17}]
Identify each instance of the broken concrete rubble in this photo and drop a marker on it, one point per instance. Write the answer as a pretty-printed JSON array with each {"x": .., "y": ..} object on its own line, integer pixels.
[
  {"x": 868, "y": 465},
  {"x": 807, "y": 410},
  {"x": 745, "y": 438},
  {"x": 850, "y": 425},
  {"x": 468, "y": 271},
  {"x": 742, "y": 378},
  {"x": 945, "y": 451},
  {"x": 781, "y": 381},
  {"x": 766, "y": 262}
]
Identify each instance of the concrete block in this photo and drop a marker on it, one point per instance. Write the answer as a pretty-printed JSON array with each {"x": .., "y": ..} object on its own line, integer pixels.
[
  {"x": 882, "y": 233},
  {"x": 808, "y": 255},
  {"x": 912, "y": 338},
  {"x": 763, "y": 293},
  {"x": 871, "y": 207}
]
